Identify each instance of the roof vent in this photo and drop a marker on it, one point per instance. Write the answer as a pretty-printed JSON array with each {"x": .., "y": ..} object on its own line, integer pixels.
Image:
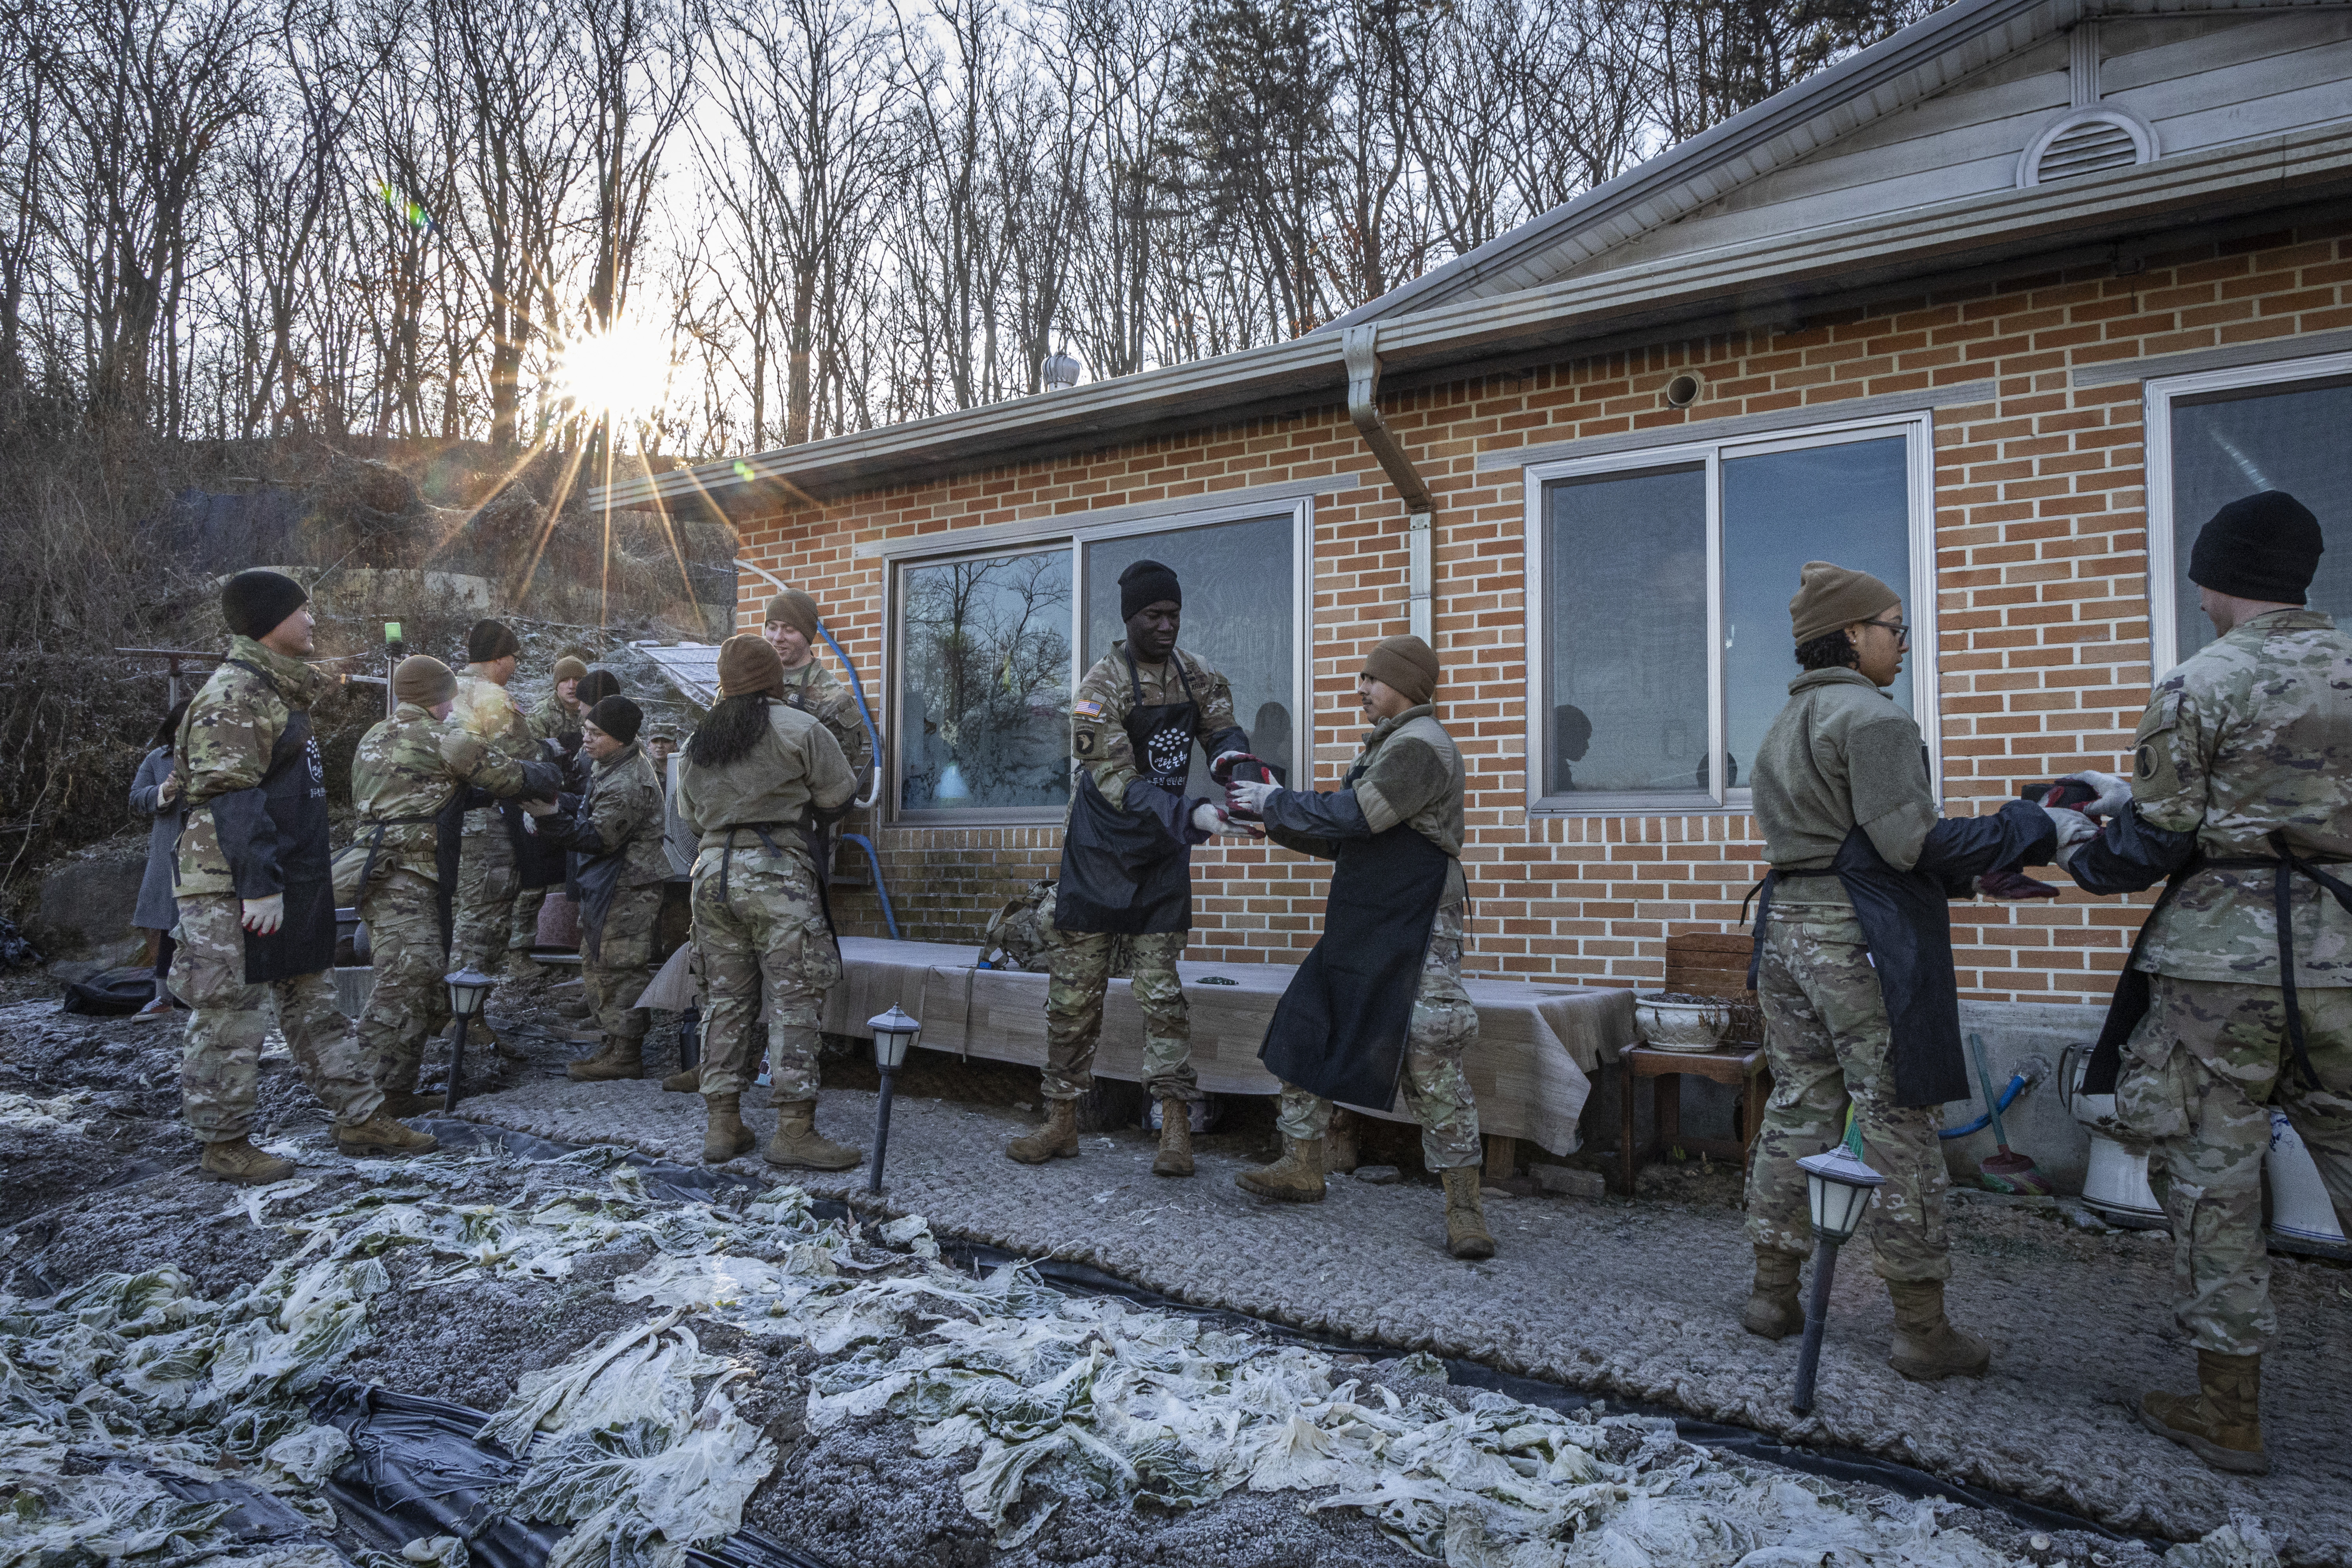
[{"x": 2086, "y": 141}]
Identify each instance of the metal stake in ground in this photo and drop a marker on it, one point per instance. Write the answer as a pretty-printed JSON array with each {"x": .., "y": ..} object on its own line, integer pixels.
[
  {"x": 468, "y": 988},
  {"x": 1839, "y": 1186},
  {"x": 893, "y": 1031}
]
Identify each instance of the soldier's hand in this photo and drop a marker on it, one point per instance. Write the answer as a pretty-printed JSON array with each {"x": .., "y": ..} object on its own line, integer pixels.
[
  {"x": 2114, "y": 792},
  {"x": 537, "y": 808},
  {"x": 263, "y": 916},
  {"x": 1209, "y": 819},
  {"x": 1249, "y": 795},
  {"x": 2074, "y": 828},
  {"x": 170, "y": 789}
]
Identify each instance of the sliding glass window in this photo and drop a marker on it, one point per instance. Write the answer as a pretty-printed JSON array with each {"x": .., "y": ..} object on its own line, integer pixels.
[{"x": 1659, "y": 594}]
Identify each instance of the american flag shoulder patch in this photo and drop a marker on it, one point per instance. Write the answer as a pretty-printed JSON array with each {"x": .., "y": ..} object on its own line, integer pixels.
[{"x": 1085, "y": 710}]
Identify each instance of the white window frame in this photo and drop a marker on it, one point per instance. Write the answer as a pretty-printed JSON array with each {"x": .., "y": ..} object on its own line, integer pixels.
[
  {"x": 1300, "y": 511},
  {"x": 1919, "y": 600},
  {"x": 2156, "y": 398}
]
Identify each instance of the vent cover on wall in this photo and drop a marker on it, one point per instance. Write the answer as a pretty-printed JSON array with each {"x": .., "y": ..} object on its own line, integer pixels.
[{"x": 2086, "y": 141}]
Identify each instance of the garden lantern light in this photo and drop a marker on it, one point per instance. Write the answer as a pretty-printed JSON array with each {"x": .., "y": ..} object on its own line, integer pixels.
[
  {"x": 1839, "y": 1186},
  {"x": 894, "y": 1033},
  {"x": 468, "y": 990}
]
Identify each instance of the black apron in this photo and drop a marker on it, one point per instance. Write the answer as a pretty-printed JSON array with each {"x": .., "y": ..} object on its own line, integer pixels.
[
  {"x": 1339, "y": 1030},
  {"x": 2135, "y": 987},
  {"x": 449, "y": 833},
  {"x": 294, "y": 799},
  {"x": 594, "y": 880},
  {"x": 1906, "y": 927},
  {"x": 1119, "y": 874}
]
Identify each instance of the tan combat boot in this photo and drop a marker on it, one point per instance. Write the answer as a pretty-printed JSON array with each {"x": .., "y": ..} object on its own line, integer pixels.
[
  {"x": 1465, "y": 1215},
  {"x": 1056, "y": 1140},
  {"x": 1926, "y": 1345},
  {"x": 380, "y": 1135},
  {"x": 614, "y": 1058},
  {"x": 724, "y": 1135},
  {"x": 687, "y": 1082},
  {"x": 1773, "y": 1310},
  {"x": 237, "y": 1160},
  {"x": 2222, "y": 1424},
  {"x": 1339, "y": 1157},
  {"x": 1175, "y": 1140},
  {"x": 1296, "y": 1177},
  {"x": 798, "y": 1143}
]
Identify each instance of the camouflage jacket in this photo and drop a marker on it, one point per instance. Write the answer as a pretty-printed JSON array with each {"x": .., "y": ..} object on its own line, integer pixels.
[
  {"x": 1099, "y": 713},
  {"x": 407, "y": 767},
  {"x": 223, "y": 745},
  {"x": 2252, "y": 734},
  {"x": 1409, "y": 773},
  {"x": 550, "y": 720},
  {"x": 487, "y": 710},
  {"x": 813, "y": 689},
  {"x": 621, "y": 813},
  {"x": 796, "y": 766}
]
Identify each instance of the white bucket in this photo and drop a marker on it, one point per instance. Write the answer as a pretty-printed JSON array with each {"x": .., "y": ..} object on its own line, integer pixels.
[
  {"x": 2114, "y": 1181},
  {"x": 2300, "y": 1209}
]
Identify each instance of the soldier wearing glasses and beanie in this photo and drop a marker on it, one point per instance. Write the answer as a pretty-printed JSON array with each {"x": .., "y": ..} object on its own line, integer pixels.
[
  {"x": 2237, "y": 994},
  {"x": 1853, "y": 961}
]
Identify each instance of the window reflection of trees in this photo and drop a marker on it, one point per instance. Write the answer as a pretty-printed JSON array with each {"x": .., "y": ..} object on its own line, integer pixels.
[{"x": 987, "y": 683}]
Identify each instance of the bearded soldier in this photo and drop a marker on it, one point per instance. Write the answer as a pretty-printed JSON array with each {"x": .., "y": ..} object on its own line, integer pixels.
[
  {"x": 412, "y": 778},
  {"x": 1853, "y": 963},
  {"x": 257, "y": 897},
  {"x": 1379, "y": 1000},
  {"x": 2238, "y": 995},
  {"x": 1127, "y": 863},
  {"x": 613, "y": 833},
  {"x": 757, "y": 780}
]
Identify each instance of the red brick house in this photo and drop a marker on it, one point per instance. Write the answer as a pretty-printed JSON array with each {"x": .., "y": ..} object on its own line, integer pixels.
[{"x": 2000, "y": 309}]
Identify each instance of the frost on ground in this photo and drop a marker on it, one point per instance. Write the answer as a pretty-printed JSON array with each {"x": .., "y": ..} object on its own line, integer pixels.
[{"x": 839, "y": 1387}]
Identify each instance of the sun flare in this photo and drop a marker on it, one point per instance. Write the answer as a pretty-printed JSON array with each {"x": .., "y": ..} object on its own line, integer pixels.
[{"x": 620, "y": 371}]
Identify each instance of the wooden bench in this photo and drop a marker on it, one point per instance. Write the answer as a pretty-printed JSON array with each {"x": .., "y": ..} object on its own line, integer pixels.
[{"x": 1740, "y": 1065}]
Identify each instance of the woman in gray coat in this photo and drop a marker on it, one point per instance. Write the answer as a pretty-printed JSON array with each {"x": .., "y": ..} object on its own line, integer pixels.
[{"x": 155, "y": 793}]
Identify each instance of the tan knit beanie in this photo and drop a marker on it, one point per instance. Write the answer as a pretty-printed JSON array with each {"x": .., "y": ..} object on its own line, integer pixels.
[
  {"x": 568, "y": 668},
  {"x": 1833, "y": 597},
  {"x": 1408, "y": 666},
  {"x": 795, "y": 609},
  {"x": 747, "y": 664},
  {"x": 423, "y": 680}
]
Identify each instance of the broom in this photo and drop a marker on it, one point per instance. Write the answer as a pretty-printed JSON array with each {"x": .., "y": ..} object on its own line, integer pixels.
[{"x": 2005, "y": 1171}]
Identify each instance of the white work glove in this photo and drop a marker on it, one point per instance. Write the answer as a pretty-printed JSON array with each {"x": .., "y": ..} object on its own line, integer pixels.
[
  {"x": 1210, "y": 818},
  {"x": 1248, "y": 794},
  {"x": 2114, "y": 792},
  {"x": 263, "y": 916},
  {"x": 2074, "y": 829},
  {"x": 537, "y": 808}
]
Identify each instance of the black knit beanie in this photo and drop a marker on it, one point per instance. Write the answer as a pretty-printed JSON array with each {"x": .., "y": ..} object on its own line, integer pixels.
[
  {"x": 2264, "y": 546},
  {"x": 595, "y": 686},
  {"x": 618, "y": 717},
  {"x": 490, "y": 639},
  {"x": 1145, "y": 583},
  {"x": 254, "y": 602}
]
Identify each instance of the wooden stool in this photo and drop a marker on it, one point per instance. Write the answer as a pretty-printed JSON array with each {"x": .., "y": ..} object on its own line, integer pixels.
[{"x": 1743, "y": 1065}]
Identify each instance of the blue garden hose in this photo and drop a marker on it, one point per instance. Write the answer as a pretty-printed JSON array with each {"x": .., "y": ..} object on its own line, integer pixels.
[
  {"x": 2008, "y": 1097},
  {"x": 873, "y": 740}
]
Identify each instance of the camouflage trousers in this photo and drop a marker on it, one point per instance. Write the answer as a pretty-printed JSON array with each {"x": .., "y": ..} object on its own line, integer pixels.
[
  {"x": 410, "y": 1003},
  {"x": 522, "y": 927},
  {"x": 1080, "y": 964},
  {"x": 1826, "y": 1039},
  {"x": 624, "y": 966},
  {"x": 766, "y": 941},
  {"x": 1436, "y": 1090},
  {"x": 220, "y": 1065},
  {"x": 2199, "y": 1075},
  {"x": 487, "y": 881}
]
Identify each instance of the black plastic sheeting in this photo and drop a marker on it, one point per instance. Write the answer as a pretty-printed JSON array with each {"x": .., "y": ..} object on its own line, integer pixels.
[{"x": 693, "y": 1183}]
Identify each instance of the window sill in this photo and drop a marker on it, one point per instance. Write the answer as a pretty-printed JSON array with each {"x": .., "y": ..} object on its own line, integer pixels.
[
  {"x": 1598, "y": 805},
  {"x": 997, "y": 817}
]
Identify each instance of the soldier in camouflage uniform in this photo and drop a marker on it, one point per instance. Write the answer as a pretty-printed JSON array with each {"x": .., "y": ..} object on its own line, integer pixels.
[
  {"x": 1841, "y": 790},
  {"x": 2242, "y": 793},
  {"x": 410, "y": 778},
  {"x": 757, "y": 780},
  {"x": 614, "y": 831},
  {"x": 1408, "y": 777},
  {"x": 1126, "y": 878},
  {"x": 791, "y": 630},
  {"x": 556, "y": 718},
  {"x": 488, "y": 876},
  {"x": 252, "y": 769}
]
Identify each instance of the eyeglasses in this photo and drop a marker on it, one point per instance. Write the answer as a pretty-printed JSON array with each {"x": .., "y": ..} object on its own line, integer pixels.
[{"x": 1902, "y": 633}]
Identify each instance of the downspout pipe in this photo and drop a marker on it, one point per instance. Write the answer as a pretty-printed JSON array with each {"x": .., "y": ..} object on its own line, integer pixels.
[{"x": 1361, "y": 346}]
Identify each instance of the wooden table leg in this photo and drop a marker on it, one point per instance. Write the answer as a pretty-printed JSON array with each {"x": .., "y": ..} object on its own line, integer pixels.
[
  {"x": 1502, "y": 1157},
  {"x": 1666, "y": 1109},
  {"x": 1629, "y": 1157}
]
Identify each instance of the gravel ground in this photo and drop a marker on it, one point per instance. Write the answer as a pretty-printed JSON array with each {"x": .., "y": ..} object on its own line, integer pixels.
[{"x": 1368, "y": 1264}]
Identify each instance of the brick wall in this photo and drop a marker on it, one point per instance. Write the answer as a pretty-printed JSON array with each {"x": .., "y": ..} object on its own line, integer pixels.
[{"x": 2040, "y": 555}]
